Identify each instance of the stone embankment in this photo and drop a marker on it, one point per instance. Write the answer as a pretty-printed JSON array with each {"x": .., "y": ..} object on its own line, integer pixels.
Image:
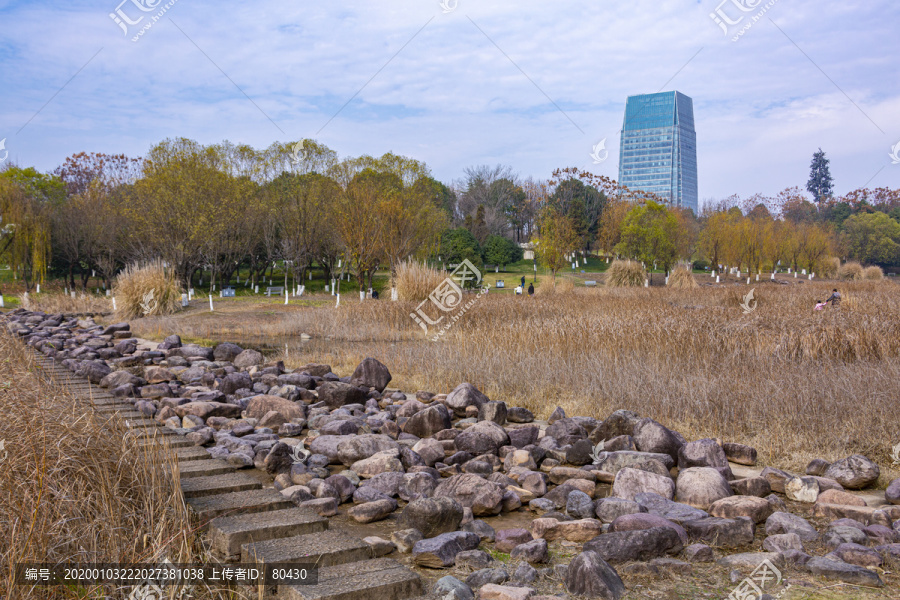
[{"x": 625, "y": 492}]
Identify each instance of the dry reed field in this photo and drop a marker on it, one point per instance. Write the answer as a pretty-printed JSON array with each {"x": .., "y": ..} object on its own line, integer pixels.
[
  {"x": 76, "y": 489},
  {"x": 793, "y": 383}
]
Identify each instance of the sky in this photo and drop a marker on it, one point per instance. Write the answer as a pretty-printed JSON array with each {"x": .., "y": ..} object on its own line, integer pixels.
[{"x": 535, "y": 85}]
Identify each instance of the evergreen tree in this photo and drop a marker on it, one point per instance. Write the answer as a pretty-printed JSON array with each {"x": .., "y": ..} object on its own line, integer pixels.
[{"x": 820, "y": 183}]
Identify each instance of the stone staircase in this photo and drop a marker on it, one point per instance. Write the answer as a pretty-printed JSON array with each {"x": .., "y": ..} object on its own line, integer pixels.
[{"x": 245, "y": 522}]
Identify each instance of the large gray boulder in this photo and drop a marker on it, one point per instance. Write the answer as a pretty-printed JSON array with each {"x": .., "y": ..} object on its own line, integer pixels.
[
  {"x": 589, "y": 575},
  {"x": 855, "y": 472},
  {"x": 638, "y": 544},
  {"x": 226, "y": 352},
  {"x": 631, "y": 482},
  {"x": 440, "y": 552},
  {"x": 359, "y": 447},
  {"x": 432, "y": 516},
  {"x": 650, "y": 436},
  {"x": 701, "y": 486},
  {"x": 429, "y": 421},
  {"x": 371, "y": 373},
  {"x": 484, "y": 437},
  {"x": 471, "y": 491},
  {"x": 337, "y": 394},
  {"x": 248, "y": 358},
  {"x": 463, "y": 396}
]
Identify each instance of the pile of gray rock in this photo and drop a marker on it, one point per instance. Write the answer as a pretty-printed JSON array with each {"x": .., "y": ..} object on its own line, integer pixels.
[{"x": 623, "y": 491}]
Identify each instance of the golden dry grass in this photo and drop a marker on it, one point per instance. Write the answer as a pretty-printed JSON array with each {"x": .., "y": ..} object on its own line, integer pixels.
[
  {"x": 682, "y": 278},
  {"x": 850, "y": 271},
  {"x": 626, "y": 273},
  {"x": 414, "y": 281},
  {"x": 829, "y": 267},
  {"x": 873, "y": 273},
  {"x": 65, "y": 303},
  {"x": 146, "y": 290},
  {"x": 74, "y": 488},
  {"x": 793, "y": 383}
]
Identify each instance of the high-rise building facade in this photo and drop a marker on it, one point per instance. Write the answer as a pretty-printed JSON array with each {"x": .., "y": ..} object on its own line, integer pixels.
[{"x": 658, "y": 147}]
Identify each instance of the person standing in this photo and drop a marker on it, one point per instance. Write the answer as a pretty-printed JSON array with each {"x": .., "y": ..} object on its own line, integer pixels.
[
  {"x": 523, "y": 282},
  {"x": 531, "y": 289},
  {"x": 835, "y": 298}
]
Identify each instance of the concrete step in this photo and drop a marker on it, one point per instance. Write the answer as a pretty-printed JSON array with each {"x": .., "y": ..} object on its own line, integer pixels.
[
  {"x": 204, "y": 468},
  {"x": 190, "y": 454},
  {"x": 212, "y": 485},
  {"x": 207, "y": 508},
  {"x": 171, "y": 441},
  {"x": 378, "y": 579},
  {"x": 324, "y": 549},
  {"x": 228, "y": 534}
]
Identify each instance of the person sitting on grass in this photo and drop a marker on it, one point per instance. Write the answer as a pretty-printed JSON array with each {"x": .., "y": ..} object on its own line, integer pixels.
[
  {"x": 820, "y": 305},
  {"x": 835, "y": 298}
]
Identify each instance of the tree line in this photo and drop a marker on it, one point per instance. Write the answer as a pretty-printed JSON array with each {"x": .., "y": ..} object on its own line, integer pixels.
[{"x": 222, "y": 207}]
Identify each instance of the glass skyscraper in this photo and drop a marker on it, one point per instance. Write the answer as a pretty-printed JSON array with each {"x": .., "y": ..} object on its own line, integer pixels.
[{"x": 658, "y": 147}]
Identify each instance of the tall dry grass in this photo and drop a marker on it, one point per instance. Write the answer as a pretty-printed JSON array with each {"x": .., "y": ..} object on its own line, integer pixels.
[
  {"x": 625, "y": 273},
  {"x": 414, "y": 281},
  {"x": 829, "y": 267},
  {"x": 559, "y": 286},
  {"x": 75, "y": 488},
  {"x": 65, "y": 303},
  {"x": 682, "y": 278},
  {"x": 793, "y": 383},
  {"x": 146, "y": 290},
  {"x": 873, "y": 273},
  {"x": 850, "y": 271}
]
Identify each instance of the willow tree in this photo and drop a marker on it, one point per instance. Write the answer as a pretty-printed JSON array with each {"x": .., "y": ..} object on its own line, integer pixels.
[
  {"x": 407, "y": 223},
  {"x": 25, "y": 232}
]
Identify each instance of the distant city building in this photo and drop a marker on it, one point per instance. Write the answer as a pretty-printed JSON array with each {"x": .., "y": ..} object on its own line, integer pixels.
[{"x": 658, "y": 148}]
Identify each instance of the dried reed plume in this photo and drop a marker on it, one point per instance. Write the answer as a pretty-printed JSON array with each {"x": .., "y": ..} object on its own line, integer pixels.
[
  {"x": 626, "y": 273},
  {"x": 850, "y": 271},
  {"x": 146, "y": 290},
  {"x": 682, "y": 278},
  {"x": 414, "y": 281}
]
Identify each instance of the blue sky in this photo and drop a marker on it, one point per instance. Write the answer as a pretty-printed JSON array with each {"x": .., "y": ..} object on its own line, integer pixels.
[{"x": 530, "y": 84}]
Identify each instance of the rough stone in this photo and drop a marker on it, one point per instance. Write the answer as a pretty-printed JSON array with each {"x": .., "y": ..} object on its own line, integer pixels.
[
  {"x": 432, "y": 516},
  {"x": 440, "y": 551},
  {"x": 784, "y": 522},
  {"x": 589, "y": 575},
  {"x": 631, "y": 482},
  {"x": 855, "y": 472},
  {"x": 701, "y": 486}
]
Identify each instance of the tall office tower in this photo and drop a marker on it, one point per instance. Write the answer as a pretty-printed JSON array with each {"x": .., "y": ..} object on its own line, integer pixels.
[{"x": 658, "y": 147}]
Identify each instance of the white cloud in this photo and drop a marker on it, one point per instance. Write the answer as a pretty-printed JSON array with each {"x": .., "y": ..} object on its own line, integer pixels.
[{"x": 450, "y": 97}]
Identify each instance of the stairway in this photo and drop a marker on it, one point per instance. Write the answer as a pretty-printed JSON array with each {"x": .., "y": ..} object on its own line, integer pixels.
[{"x": 246, "y": 523}]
